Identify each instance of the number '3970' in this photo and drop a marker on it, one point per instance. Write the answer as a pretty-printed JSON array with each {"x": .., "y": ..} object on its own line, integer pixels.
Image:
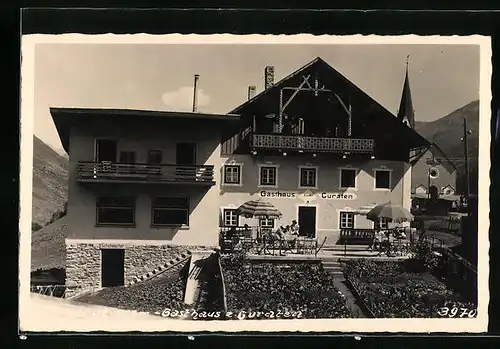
[{"x": 457, "y": 312}]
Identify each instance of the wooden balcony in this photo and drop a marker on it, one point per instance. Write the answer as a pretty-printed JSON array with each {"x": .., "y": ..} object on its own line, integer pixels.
[
  {"x": 99, "y": 172},
  {"x": 313, "y": 144}
]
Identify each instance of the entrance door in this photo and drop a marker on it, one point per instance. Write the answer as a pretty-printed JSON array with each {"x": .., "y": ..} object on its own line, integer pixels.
[
  {"x": 307, "y": 221},
  {"x": 105, "y": 150},
  {"x": 186, "y": 154},
  {"x": 112, "y": 267}
]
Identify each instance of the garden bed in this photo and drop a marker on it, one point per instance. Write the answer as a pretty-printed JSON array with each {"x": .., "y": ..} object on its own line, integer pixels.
[
  {"x": 165, "y": 291},
  {"x": 300, "y": 289},
  {"x": 390, "y": 290}
]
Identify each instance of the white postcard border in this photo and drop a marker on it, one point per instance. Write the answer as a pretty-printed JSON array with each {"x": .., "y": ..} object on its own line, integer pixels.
[{"x": 130, "y": 321}]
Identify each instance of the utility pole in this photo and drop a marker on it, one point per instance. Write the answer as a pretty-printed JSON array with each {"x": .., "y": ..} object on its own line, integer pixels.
[{"x": 466, "y": 157}]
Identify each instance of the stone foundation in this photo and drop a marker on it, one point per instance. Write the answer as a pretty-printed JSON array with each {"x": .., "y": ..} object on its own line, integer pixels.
[{"x": 83, "y": 263}]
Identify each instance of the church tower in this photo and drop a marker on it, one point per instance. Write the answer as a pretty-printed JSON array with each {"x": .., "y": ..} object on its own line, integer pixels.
[{"x": 406, "y": 113}]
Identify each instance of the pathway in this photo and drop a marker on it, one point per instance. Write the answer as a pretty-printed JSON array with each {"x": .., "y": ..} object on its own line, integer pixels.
[{"x": 351, "y": 303}]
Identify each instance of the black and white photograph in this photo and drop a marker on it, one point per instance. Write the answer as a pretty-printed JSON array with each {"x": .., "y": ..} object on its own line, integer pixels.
[{"x": 254, "y": 183}]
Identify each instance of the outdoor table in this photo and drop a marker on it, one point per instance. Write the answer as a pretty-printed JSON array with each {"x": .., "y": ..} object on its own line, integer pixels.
[{"x": 386, "y": 246}]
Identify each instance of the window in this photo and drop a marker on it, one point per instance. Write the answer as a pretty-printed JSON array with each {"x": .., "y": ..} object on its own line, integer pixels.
[
  {"x": 155, "y": 157},
  {"x": 232, "y": 174},
  {"x": 382, "y": 179},
  {"x": 266, "y": 223},
  {"x": 115, "y": 211},
  {"x": 346, "y": 220},
  {"x": 230, "y": 218},
  {"x": 347, "y": 178},
  {"x": 308, "y": 177},
  {"x": 170, "y": 211},
  {"x": 127, "y": 157},
  {"x": 382, "y": 224},
  {"x": 268, "y": 175},
  {"x": 185, "y": 153}
]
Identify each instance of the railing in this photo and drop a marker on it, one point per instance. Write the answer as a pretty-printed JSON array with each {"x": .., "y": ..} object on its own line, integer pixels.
[
  {"x": 270, "y": 246},
  {"x": 58, "y": 291},
  {"x": 316, "y": 144},
  {"x": 110, "y": 171},
  {"x": 361, "y": 234}
]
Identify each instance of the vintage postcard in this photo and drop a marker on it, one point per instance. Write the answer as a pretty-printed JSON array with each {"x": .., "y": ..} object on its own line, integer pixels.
[{"x": 187, "y": 183}]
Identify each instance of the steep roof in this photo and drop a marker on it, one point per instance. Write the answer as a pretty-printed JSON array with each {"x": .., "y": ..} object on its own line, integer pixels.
[
  {"x": 437, "y": 152},
  {"x": 406, "y": 104},
  {"x": 371, "y": 110}
]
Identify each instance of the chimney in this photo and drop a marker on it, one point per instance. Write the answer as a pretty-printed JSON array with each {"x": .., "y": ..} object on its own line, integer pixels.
[
  {"x": 251, "y": 92},
  {"x": 195, "y": 93},
  {"x": 269, "y": 77}
]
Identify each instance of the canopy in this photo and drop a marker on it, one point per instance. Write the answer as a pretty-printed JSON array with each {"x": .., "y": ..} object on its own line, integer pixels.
[
  {"x": 391, "y": 212},
  {"x": 259, "y": 209}
]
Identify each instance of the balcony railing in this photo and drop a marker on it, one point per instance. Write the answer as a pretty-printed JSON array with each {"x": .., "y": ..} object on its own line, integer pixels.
[
  {"x": 313, "y": 144},
  {"x": 164, "y": 173}
]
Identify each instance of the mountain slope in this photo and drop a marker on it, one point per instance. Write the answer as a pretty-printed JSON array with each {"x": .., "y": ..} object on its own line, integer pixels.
[
  {"x": 447, "y": 133},
  {"x": 50, "y": 182}
]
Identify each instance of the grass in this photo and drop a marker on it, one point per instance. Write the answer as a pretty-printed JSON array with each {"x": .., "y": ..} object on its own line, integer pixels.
[
  {"x": 48, "y": 247},
  {"x": 50, "y": 182}
]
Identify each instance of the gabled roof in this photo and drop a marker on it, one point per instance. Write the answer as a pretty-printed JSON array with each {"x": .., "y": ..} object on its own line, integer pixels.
[
  {"x": 64, "y": 118},
  {"x": 444, "y": 159},
  {"x": 437, "y": 152},
  {"x": 372, "y": 108}
]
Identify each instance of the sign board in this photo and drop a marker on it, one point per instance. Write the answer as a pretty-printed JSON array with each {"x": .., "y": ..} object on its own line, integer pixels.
[{"x": 307, "y": 195}]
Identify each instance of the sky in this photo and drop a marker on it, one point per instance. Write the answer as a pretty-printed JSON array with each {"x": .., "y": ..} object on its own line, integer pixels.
[{"x": 443, "y": 78}]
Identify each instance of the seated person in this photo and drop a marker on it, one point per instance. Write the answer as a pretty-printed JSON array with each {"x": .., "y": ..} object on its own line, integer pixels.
[
  {"x": 279, "y": 233},
  {"x": 294, "y": 228},
  {"x": 377, "y": 240},
  {"x": 231, "y": 233},
  {"x": 247, "y": 232}
]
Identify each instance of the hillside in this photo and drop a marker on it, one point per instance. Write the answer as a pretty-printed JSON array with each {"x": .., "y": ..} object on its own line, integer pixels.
[
  {"x": 447, "y": 133},
  {"x": 50, "y": 182},
  {"x": 48, "y": 248}
]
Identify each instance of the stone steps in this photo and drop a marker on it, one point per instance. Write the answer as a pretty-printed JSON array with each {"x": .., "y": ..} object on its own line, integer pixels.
[
  {"x": 332, "y": 266},
  {"x": 162, "y": 268},
  {"x": 328, "y": 248}
]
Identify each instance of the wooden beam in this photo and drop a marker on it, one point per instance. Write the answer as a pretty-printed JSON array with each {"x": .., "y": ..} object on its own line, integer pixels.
[
  {"x": 294, "y": 94},
  {"x": 343, "y": 105},
  {"x": 323, "y": 89}
]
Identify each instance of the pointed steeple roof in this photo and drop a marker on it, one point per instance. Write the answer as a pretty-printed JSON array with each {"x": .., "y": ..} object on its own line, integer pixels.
[{"x": 406, "y": 112}]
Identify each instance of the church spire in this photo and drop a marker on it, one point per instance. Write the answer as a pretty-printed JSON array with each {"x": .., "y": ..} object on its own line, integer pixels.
[{"x": 406, "y": 112}]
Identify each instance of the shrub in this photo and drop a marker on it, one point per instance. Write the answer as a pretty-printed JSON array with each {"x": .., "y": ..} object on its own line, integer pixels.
[
  {"x": 264, "y": 287},
  {"x": 388, "y": 290},
  {"x": 423, "y": 254}
]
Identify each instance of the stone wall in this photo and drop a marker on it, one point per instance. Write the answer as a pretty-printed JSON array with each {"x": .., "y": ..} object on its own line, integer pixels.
[
  {"x": 83, "y": 262},
  {"x": 142, "y": 259}
]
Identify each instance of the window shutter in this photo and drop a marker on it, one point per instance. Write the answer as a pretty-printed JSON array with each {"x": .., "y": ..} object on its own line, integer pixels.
[{"x": 221, "y": 217}]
